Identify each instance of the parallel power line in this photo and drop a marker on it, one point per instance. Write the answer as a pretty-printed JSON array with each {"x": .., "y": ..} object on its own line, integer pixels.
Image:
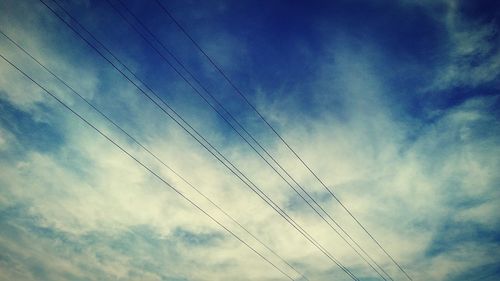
[
  {"x": 148, "y": 151},
  {"x": 220, "y": 114},
  {"x": 156, "y": 175},
  {"x": 254, "y": 189},
  {"x": 254, "y": 108},
  {"x": 252, "y": 138},
  {"x": 212, "y": 150}
]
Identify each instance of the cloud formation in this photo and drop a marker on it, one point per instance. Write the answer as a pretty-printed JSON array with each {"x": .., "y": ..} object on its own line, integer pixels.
[{"x": 422, "y": 180}]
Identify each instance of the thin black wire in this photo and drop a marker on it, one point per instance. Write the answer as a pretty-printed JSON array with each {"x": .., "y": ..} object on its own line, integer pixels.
[
  {"x": 236, "y": 171},
  {"x": 164, "y": 47},
  {"x": 239, "y": 92},
  {"x": 149, "y": 152},
  {"x": 144, "y": 166},
  {"x": 272, "y": 204},
  {"x": 253, "y": 139},
  {"x": 279, "y": 209}
]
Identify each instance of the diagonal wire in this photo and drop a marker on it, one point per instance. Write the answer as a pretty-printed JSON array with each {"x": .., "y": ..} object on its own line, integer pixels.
[
  {"x": 164, "y": 47},
  {"x": 149, "y": 152},
  {"x": 233, "y": 169},
  {"x": 254, "y": 140},
  {"x": 240, "y": 93},
  {"x": 144, "y": 166}
]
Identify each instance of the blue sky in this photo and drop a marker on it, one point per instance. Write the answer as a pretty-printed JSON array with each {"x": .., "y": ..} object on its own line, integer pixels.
[{"x": 394, "y": 104}]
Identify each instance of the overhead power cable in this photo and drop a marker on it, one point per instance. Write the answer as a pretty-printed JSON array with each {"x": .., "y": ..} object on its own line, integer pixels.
[
  {"x": 164, "y": 47},
  {"x": 212, "y": 150},
  {"x": 250, "y": 104},
  {"x": 144, "y": 166},
  {"x": 190, "y": 74},
  {"x": 162, "y": 162}
]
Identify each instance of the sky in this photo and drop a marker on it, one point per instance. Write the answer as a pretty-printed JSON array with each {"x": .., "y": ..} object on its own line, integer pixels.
[{"x": 394, "y": 105}]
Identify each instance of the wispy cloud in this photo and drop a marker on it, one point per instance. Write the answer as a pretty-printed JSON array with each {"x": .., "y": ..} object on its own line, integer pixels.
[{"x": 74, "y": 207}]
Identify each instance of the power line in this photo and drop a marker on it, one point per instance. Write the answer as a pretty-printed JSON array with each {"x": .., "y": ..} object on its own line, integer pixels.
[
  {"x": 247, "y": 133},
  {"x": 150, "y": 153},
  {"x": 239, "y": 92},
  {"x": 144, "y": 166},
  {"x": 236, "y": 171}
]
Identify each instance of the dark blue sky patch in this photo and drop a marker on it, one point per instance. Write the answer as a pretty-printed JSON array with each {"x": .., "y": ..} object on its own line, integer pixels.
[
  {"x": 296, "y": 204},
  {"x": 197, "y": 239},
  {"x": 445, "y": 99},
  {"x": 285, "y": 44},
  {"x": 17, "y": 218},
  {"x": 486, "y": 272},
  {"x": 31, "y": 134},
  {"x": 285, "y": 73},
  {"x": 481, "y": 11},
  {"x": 452, "y": 234}
]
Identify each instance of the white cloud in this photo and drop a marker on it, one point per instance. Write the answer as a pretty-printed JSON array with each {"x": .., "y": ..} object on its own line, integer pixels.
[
  {"x": 473, "y": 58},
  {"x": 399, "y": 188}
]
